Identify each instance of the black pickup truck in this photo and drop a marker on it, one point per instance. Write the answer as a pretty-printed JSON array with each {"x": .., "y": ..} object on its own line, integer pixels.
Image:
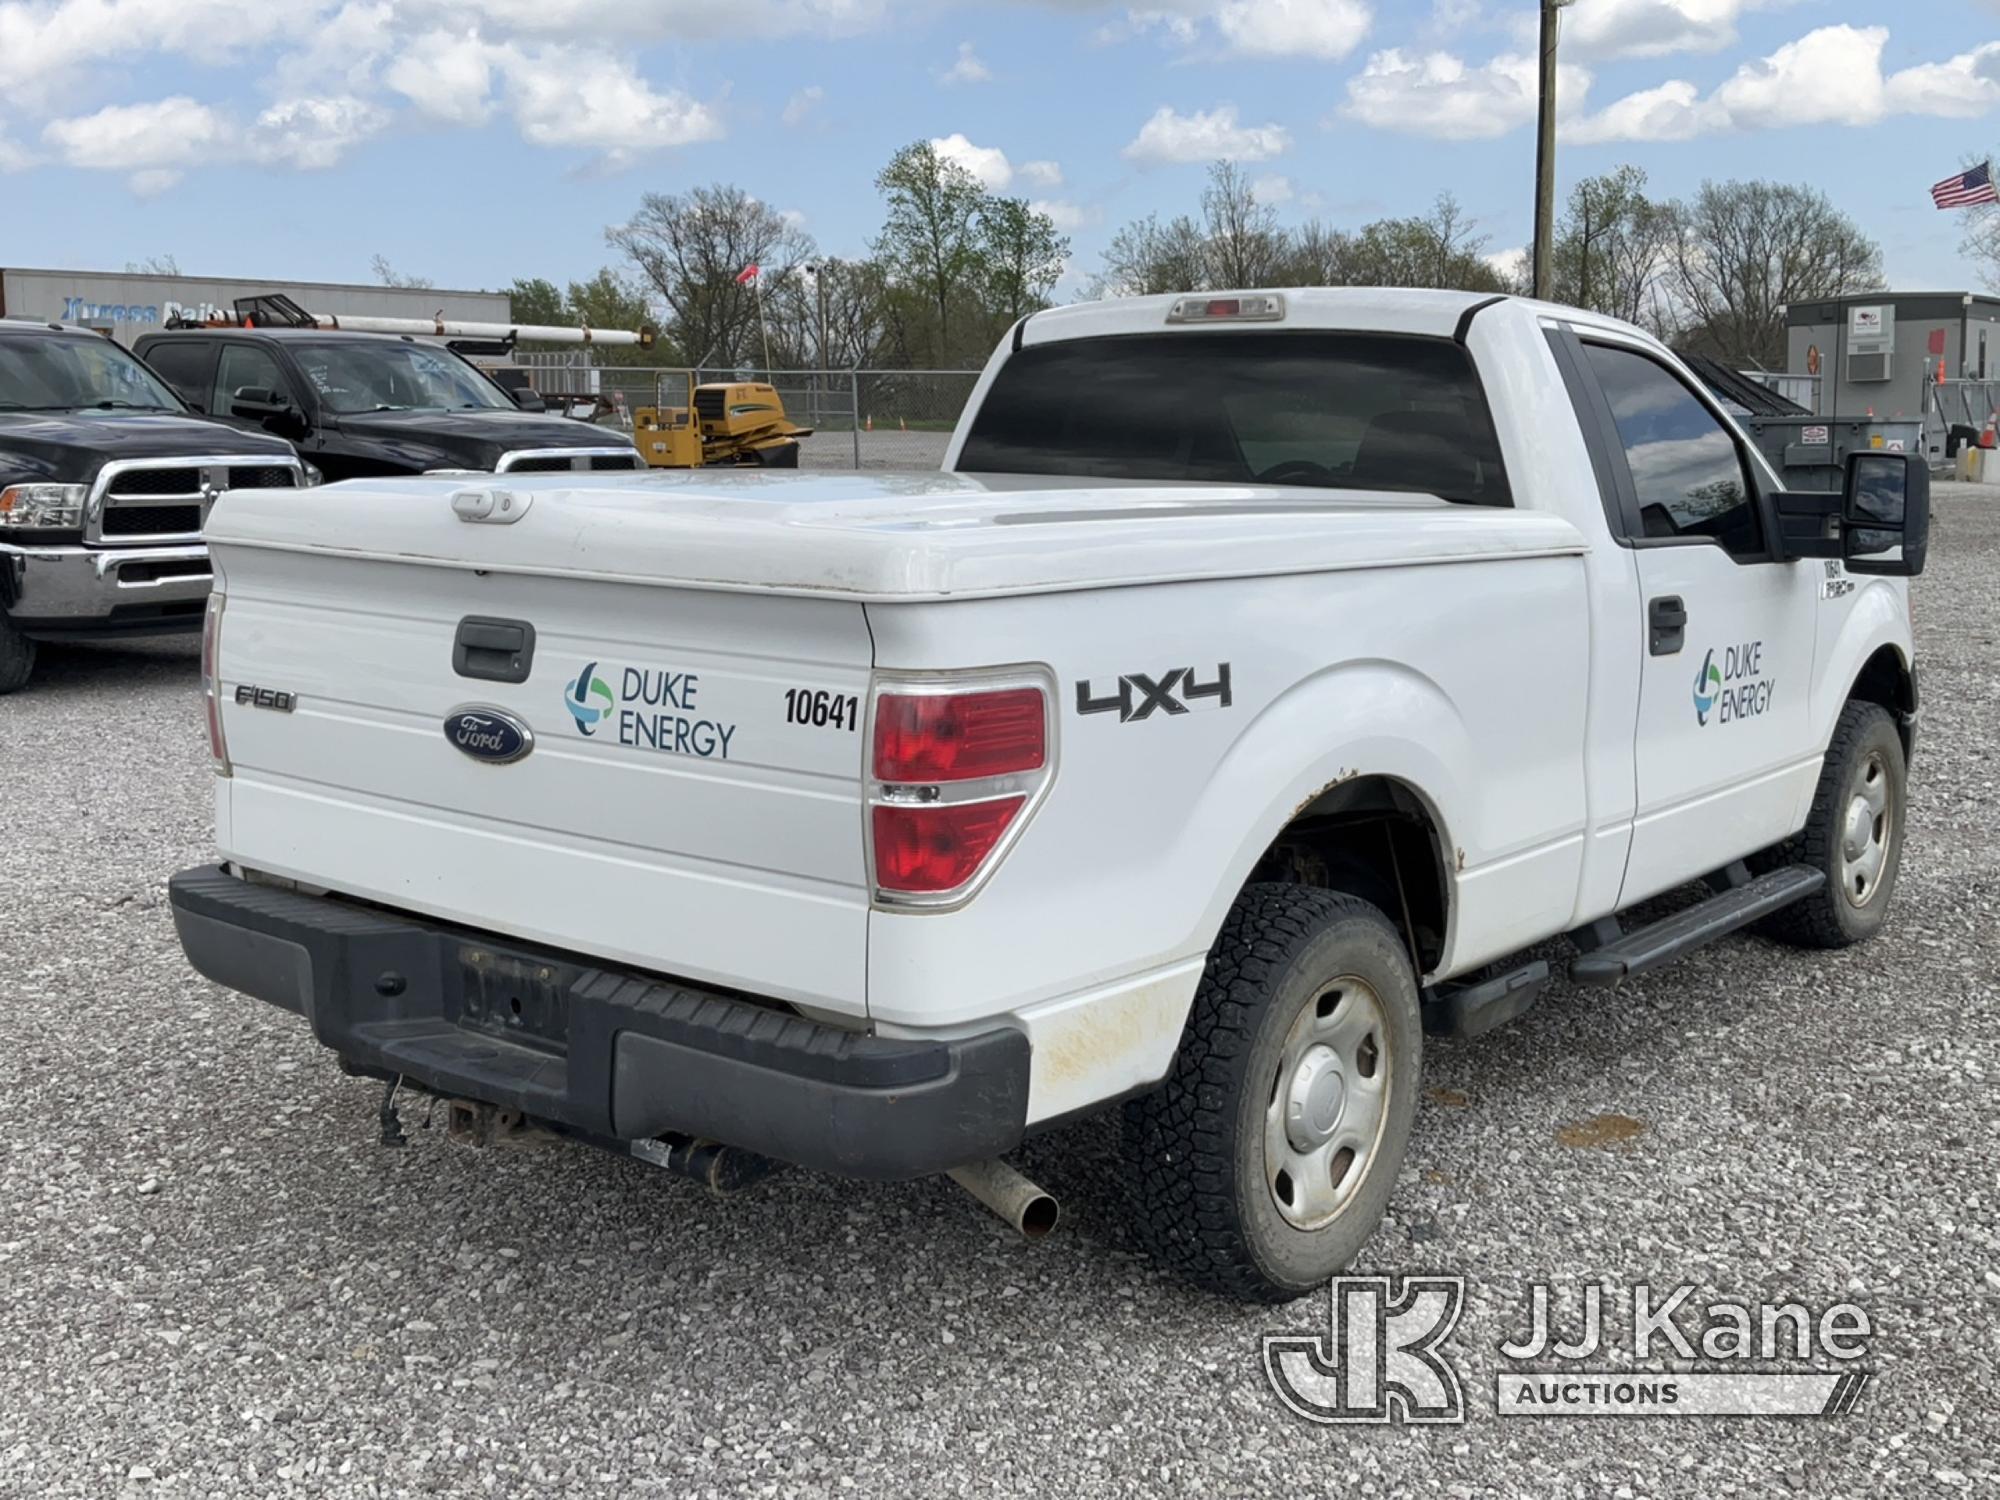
[
  {"x": 366, "y": 404},
  {"x": 105, "y": 481}
]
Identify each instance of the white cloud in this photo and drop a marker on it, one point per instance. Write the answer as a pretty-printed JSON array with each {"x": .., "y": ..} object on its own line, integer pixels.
[
  {"x": 967, "y": 69},
  {"x": 1273, "y": 190},
  {"x": 1831, "y": 76},
  {"x": 1511, "y": 265},
  {"x": 447, "y": 75},
  {"x": 313, "y": 133},
  {"x": 800, "y": 106},
  {"x": 44, "y": 44},
  {"x": 1439, "y": 94},
  {"x": 988, "y": 163},
  {"x": 577, "y": 97},
  {"x": 154, "y": 181},
  {"x": 1326, "y": 29},
  {"x": 1205, "y": 135},
  {"x": 1323, "y": 29},
  {"x": 1067, "y": 217},
  {"x": 1041, "y": 173},
  {"x": 135, "y": 137},
  {"x": 1651, "y": 28}
]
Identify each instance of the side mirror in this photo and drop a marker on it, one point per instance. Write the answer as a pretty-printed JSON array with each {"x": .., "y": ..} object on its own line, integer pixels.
[
  {"x": 528, "y": 399},
  {"x": 256, "y": 403},
  {"x": 1885, "y": 514}
]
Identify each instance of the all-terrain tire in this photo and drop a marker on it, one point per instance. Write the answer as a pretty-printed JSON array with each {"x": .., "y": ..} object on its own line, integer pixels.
[
  {"x": 17, "y": 658},
  {"x": 1866, "y": 754},
  {"x": 1203, "y": 1201}
]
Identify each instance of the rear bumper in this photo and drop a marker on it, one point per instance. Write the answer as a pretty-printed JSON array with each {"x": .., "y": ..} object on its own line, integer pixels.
[
  {"x": 612, "y": 1054},
  {"x": 87, "y": 591}
]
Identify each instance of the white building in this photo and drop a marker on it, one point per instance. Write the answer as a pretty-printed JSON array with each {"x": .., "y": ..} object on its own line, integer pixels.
[{"x": 126, "y": 304}]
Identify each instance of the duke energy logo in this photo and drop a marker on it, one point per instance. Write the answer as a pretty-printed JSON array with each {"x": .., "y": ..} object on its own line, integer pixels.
[
  {"x": 1707, "y": 684},
  {"x": 588, "y": 699}
]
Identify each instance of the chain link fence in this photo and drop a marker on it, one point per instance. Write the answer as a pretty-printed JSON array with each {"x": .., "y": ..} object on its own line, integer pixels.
[{"x": 861, "y": 419}]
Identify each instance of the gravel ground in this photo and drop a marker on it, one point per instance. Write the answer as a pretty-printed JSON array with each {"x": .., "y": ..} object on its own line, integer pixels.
[{"x": 213, "y": 1281}]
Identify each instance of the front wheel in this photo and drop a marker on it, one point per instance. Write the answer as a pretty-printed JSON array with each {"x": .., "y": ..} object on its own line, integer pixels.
[
  {"x": 17, "y": 658},
  {"x": 1854, "y": 834},
  {"x": 1263, "y": 1163}
]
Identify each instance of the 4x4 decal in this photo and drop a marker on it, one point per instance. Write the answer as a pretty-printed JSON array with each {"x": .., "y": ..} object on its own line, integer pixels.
[{"x": 1140, "y": 695}]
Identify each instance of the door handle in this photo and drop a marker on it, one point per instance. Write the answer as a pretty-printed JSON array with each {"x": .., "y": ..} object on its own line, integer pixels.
[
  {"x": 493, "y": 650},
  {"x": 1666, "y": 621}
]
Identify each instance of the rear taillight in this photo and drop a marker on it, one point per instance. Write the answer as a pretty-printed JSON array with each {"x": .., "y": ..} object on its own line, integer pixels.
[
  {"x": 958, "y": 765},
  {"x": 211, "y": 685}
]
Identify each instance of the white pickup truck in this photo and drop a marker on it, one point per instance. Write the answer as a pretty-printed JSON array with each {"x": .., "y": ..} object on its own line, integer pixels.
[{"x": 1262, "y": 674}]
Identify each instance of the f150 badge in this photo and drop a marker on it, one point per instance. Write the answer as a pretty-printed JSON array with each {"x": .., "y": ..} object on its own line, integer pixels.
[
  {"x": 488, "y": 734},
  {"x": 1139, "y": 695}
]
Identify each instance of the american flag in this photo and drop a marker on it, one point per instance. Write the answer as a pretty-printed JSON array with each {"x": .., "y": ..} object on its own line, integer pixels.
[{"x": 1966, "y": 189}]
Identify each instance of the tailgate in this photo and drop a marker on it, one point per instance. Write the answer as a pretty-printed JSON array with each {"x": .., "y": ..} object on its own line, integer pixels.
[{"x": 691, "y": 803}]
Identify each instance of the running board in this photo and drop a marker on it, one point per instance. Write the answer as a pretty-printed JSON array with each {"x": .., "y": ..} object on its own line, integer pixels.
[
  {"x": 1718, "y": 916},
  {"x": 1475, "y": 1009}
]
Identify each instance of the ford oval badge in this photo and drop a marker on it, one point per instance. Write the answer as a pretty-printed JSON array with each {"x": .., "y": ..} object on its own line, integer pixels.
[{"x": 488, "y": 734}]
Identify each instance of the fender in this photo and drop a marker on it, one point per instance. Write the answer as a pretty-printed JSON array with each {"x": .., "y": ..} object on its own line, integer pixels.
[
  {"x": 1361, "y": 718},
  {"x": 1878, "y": 617}
]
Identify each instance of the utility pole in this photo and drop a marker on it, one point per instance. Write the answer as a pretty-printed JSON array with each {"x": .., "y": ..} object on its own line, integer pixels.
[{"x": 1545, "y": 150}]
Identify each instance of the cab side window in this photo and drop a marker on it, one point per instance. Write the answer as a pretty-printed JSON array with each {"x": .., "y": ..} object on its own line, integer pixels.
[
  {"x": 1686, "y": 470},
  {"x": 244, "y": 366},
  {"x": 184, "y": 364}
]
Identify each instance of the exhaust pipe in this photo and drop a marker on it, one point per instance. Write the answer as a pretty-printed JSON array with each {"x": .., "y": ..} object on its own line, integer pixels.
[{"x": 1027, "y": 1208}]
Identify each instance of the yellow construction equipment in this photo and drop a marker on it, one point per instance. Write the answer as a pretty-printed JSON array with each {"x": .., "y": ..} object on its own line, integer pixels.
[{"x": 739, "y": 423}]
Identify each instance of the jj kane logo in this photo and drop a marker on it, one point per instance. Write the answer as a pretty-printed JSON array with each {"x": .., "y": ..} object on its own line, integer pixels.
[{"x": 1383, "y": 1355}]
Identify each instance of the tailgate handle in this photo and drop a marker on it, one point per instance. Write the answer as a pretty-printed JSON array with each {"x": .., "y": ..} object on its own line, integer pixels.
[{"x": 493, "y": 650}]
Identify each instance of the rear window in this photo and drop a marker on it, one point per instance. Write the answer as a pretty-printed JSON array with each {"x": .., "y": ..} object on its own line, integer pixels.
[{"x": 1357, "y": 411}]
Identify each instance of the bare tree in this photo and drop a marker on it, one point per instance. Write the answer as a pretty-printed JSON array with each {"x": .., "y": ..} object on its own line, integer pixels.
[
  {"x": 1611, "y": 248},
  {"x": 1244, "y": 246},
  {"x": 154, "y": 265},
  {"x": 1742, "y": 250},
  {"x": 1147, "y": 257},
  {"x": 388, "y": 275},
  {"x": 691, "y": 248}
]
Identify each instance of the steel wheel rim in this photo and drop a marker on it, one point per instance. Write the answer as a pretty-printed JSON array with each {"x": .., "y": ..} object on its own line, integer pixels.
[
  {"x": 1329, "y": 1103},
  {"x": 1867, "y": 829}
]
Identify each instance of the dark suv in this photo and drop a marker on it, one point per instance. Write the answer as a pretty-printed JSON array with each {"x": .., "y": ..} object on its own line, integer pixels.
[
  {"x": 105, "y": 481},
  {"x": 362, "y": 404}
]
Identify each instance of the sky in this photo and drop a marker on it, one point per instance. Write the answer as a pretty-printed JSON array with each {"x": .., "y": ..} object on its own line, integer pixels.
[{"x": 476, "y": 141}]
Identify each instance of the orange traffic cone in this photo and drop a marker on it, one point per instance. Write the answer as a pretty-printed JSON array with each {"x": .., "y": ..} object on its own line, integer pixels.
[
  {"x": 869, "y": 425},
  {"x": 1990, "y": 438}
]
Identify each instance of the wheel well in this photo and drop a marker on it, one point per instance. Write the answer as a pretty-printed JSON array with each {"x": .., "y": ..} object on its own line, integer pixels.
[
  {"x": 1372, "y": 837},
  {"x": 1885, "y": 680}
]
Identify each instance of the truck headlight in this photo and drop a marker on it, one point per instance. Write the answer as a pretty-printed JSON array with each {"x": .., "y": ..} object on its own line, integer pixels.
[
  {"x": 313, "y": 476},
  {"x": 45, "y": 507}
]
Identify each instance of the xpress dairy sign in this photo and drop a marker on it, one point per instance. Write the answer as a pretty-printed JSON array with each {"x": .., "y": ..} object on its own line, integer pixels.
[{"x": 82, "y": 310}]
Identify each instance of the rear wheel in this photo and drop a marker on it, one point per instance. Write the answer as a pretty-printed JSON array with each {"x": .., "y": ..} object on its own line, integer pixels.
[
  {"x": 1854, "y": 834},
  {"x": 1263, "y": 1163},
  {"x": 17, "y": 658}
]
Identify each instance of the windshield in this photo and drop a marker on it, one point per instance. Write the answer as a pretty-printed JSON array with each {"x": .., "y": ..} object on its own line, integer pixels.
[
  {"x": 1355, "y": 411},
  {"x": 50, "y": 372},
  {"x": 393, "y": 376}
]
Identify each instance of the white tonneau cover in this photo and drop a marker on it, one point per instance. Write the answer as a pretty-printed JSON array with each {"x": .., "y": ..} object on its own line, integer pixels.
[{"x": 883, "y": 537}]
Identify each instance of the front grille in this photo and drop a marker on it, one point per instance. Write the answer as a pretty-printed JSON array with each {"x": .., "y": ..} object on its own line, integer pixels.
[
  {"x": 262, "y": 477},
  {"x": 615, "y": 461},
  {"x": 157, "y": 482},
  {"x": 151, "y": 520},
  {"x": 540, "y": 466}
]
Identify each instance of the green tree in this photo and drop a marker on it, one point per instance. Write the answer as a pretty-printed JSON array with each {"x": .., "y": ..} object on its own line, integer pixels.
[
  {"x": 535, "y": 300},
  {"x": 608, "y": 300},
  {"x": 1023, "y": 257},
  {"x": 1610, "y": 247},
  {"x": 932, "y": 234}
]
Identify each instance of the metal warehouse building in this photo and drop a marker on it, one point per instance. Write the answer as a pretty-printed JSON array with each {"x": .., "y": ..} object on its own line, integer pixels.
[{"x": 127, "y": 304}]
